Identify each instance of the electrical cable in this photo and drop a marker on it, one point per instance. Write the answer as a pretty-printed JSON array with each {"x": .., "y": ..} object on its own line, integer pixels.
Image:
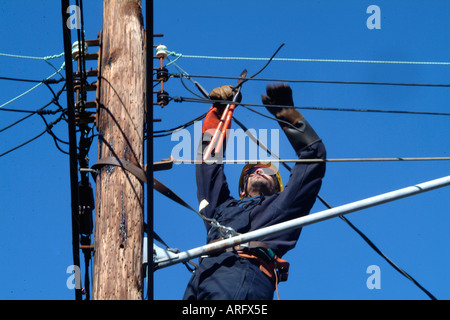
[
  {"x": 184, "y": 74},
  {"x": 184, "y": 85},
  {"x": 45, "y": 81},
  {"x": 189, "y": 99},
  {"x": 23, "y": 144},
  {"x": 355, "y": 110},
  {"x": 55, "y": 138},
  {"x": 32, "y": 88},
  {"x": 265, "y": 66},
  {"x": 375, "y": 248},
  {"x": 166, "y": 132},
  {"x": 55, "y": 99},
  {"x": 175, "y": 75},
  {"x": 46, "y": 59},
  {"x": 32, "y": 57},
  {"x": 364, "y": 237},
  {"x": 169, "y": 131},
  {"x": 48, "y": 127},
  {"x": 241, "y": 81},
  {"x": 38, "y": 111},
  {"x": 285, "y": 161},
  {"x": 360, "y": 233},
  {"x": 442, "y": 63}
]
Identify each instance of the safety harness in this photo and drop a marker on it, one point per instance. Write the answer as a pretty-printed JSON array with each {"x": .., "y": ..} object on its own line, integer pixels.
[{"x": 269, "y": 263}]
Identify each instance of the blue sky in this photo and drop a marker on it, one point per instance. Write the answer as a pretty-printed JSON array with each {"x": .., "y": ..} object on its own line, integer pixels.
[{"x": 330, "y": 260}]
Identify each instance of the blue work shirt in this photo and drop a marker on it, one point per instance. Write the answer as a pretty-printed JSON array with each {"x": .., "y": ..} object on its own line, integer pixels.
[{"x": 296, "y": 200}]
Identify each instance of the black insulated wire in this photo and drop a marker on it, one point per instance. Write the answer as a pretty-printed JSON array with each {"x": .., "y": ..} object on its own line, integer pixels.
[
  {"x": 48, "y": 128},
  {"x": 176, "y": 75},
  {"x": 189, "y": 99}
]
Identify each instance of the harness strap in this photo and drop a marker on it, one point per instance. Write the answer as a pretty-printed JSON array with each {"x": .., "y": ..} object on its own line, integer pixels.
[
  {"x": 270, "y": 264},
  {"x": 274, "y": 267},
  {"x": 137, "y": 171}
]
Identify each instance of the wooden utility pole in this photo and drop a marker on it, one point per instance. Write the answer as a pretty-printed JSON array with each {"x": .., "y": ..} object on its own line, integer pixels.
[{"x": 119, "y": 211}]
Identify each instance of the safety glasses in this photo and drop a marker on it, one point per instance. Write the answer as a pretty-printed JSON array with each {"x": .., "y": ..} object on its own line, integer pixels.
[{"x": 265, "y": 170}]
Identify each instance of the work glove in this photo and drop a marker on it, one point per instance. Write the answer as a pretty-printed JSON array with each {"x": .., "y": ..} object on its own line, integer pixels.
[
  {"x": 224, "y": 92},
  {"x": 281, "y": 95},
  {"x": 298, "y": 131},
  {"x": 214, "y": 114}
]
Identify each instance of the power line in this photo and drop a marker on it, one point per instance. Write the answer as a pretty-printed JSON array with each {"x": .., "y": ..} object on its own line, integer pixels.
[
  {"x": 47, "y": 129},
  {"x": 33, "y": 88},
  {"x": 55, "y": 138},
  {"x": 39, "y": 111},
  {"x": 32, "y": 57},
  {"x": 353, "y": 110},
  {"x": 166, "y": 132},
  {"x": 314, "y": 160},
  {"x": 317, "y": 81},
  {"x": 363, "y": 236},
  {"x": 246, "y": 105},
  {"x": 47, "y": 81},
  {"x": 179, "y": 55}
]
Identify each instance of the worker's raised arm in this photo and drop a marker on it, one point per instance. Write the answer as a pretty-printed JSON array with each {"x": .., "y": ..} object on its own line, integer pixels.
[
  {"x": 305, "y": 180},
  {"x": 212, "y": 187},
  {"x": 280, "y": 103}
]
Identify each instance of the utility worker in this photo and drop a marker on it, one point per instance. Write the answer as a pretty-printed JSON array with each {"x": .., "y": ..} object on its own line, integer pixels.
[{"x": 252, "y": 271}]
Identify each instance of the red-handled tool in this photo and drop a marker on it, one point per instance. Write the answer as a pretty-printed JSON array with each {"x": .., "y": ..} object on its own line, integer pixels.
[{"x": 220, "y": 132}]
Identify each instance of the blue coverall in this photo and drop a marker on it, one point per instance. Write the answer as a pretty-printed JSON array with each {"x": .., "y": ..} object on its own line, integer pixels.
[{"x": 227, "y": 276}]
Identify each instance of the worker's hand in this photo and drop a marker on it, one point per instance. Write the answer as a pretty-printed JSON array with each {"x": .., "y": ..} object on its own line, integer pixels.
[
  {"x": 281, "y": 95},
  {"x": 299, "y": 132},
  {"x": 214, "y": 114},
  {"x": 224, "y": 92}
]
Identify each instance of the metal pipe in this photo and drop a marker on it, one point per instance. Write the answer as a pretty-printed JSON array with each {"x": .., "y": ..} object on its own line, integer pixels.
[{"x": 304, "y": 221}]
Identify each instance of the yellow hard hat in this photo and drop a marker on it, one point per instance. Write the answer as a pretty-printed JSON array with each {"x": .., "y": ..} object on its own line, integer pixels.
[{"x": 260, "y": 164}]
